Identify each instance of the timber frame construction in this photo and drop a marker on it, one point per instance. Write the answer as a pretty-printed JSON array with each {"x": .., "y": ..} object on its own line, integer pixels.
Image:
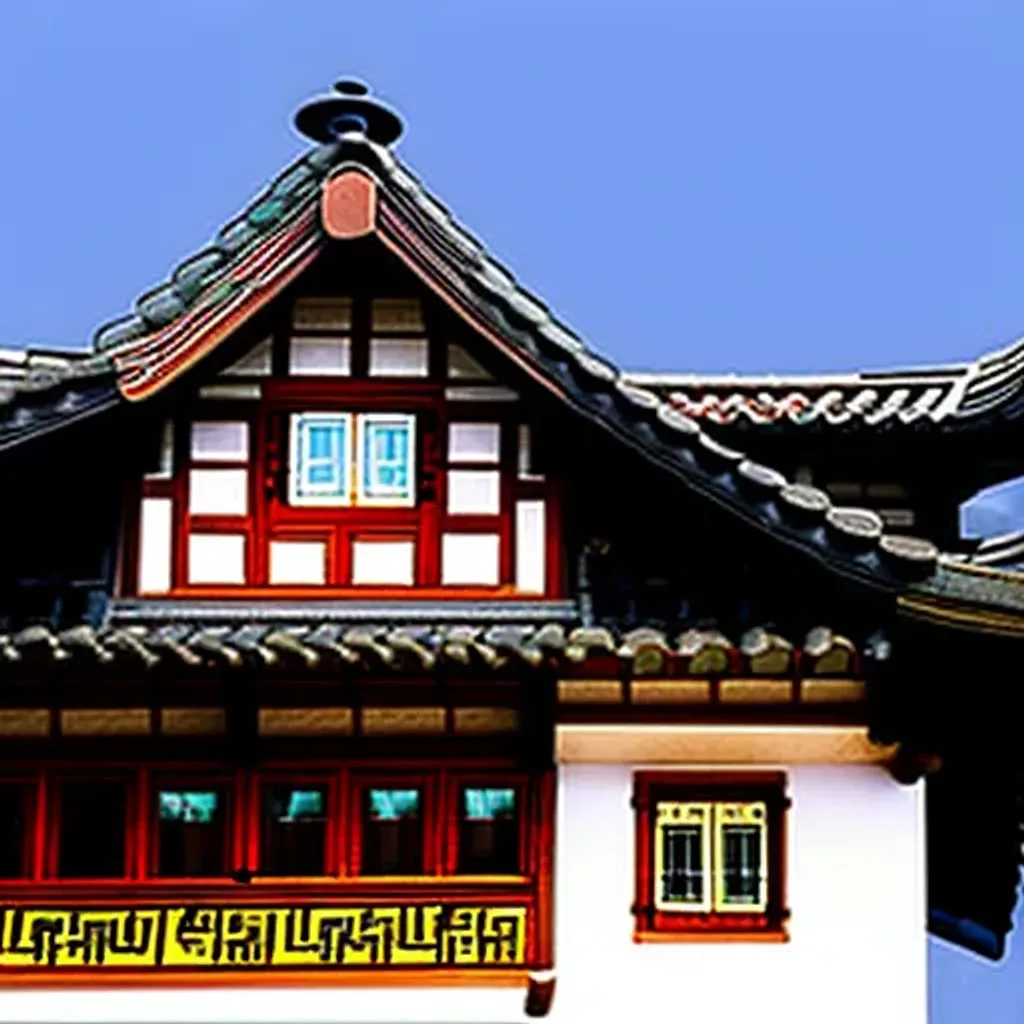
[{"x": 536, "y": 560}]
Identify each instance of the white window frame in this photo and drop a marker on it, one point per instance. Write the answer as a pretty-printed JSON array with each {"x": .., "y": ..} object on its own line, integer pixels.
[
  {"x": 319, "y": 494},
  {"x": 388, "y": 498}
]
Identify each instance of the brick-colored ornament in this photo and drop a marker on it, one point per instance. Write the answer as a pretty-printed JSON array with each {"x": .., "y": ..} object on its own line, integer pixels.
[{"x": 348, "y": 205}]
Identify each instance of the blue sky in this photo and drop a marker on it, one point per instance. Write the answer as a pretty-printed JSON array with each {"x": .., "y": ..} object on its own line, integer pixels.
[{"x": 694, "y": 186}]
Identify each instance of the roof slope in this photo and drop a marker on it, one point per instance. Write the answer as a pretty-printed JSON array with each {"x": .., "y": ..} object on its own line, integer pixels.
[
  {"x": 927, "y": 397},
  {"x": 177, "y": 323}
]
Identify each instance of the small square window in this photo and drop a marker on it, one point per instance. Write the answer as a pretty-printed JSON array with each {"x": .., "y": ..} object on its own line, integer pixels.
[
  {"x": 386, "y": 459},
  {"x": 293, "y": 840},
  {"x": 709, "y": 854},
  {"x": 320, "y": 458},
  {"x": 93, "y": 829},
  {"x": 15, "y": 829},
  {"x": 489, "y": 832},
  {"x": 192, "y": 833},
  {"x": 392, "y": 840}
]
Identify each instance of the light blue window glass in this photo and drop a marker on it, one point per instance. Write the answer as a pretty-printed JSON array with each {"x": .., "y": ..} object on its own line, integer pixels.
[
  {"x": 387, "y": 467},
  {"x": 394, "y": 804},
  {"x": 320, "y": 458},
  {"x": 489, "y": 804},
  {"x": 191, "y": 807}
]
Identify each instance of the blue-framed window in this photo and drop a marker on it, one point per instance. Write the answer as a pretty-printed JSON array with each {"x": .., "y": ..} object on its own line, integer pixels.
[
  {"x": 387, "y": 446},
  {"x": 341, "y": 458},
  {"x": 321, "y": 458}
]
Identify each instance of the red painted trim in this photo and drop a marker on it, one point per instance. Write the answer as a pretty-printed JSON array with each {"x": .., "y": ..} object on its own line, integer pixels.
[{"x": 709, "y": 786}]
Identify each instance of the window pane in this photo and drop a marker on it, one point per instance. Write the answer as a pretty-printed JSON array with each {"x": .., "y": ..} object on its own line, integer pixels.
[
  {"x": 489, "y": 832},
  {"x": 92, "y": 829},
  {"x": 192, "y": 834},
  {"x": 682, "y": 857},
  {"x": 14, "y": 825},
  {"x": 741, "y": 868},
  {"x": 320, "y": 458},
  {"x": 294, "y": 832},
  {"x": 392, "y": 832},
  {"x": 386, "y": 470},
  {"x": 682, "y": 880}
]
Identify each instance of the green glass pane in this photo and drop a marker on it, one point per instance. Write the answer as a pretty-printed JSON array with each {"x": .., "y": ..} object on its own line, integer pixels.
[
  {"x": 304, "y": 803},
  {"x": 488, "y": 804},
  {"x": 198, "y": 808},
  {"x": 394, "y": 804}
]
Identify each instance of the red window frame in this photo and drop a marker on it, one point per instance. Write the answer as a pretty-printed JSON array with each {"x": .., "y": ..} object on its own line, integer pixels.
[
  {"x": 184, "y": 781},
  {"x": 134, "y": 835},
  {"x": 30, "y": 829},
  {"x": 271, "y": 518},
  {"x": 428, "y": 784},
  {"x": 453, "y": 818},
  {"x": 652, "y": 925},
  {"x": 333, "y": 826}
]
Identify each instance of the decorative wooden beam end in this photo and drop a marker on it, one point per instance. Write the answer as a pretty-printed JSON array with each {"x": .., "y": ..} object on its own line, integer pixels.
[
  {"x": 348, "y": 205},
  {"x": 909, "y": 766},
  {"x": 540, "y": 993}
]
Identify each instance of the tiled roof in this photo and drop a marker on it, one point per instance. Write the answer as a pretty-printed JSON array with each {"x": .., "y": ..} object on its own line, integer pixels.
[
  {"x": 42, "y": 389},
  {"x": 281, "y": 226},
  {"x": 919, "y": 398},
  {"x": 331, "y": 647}
]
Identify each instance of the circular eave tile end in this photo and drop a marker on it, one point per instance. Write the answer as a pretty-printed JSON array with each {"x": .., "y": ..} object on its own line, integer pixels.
[
  {"x": 597, "y": 368},
  {"x": 760, "y": 478},
  {"x": 676, "y": 421},
  {"x": 859, "y": 524},
  {"x": 912, "y": 551},
  {"x": 805, "y": 499},
  {"x": 640, "y": 398},
  {"x": 710, "y": 451}
]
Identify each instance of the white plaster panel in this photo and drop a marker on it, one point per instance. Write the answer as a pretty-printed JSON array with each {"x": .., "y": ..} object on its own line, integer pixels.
[
  {"x": 218, "y": 492},
  {"x": 474, "y": 492},
  {"x": 383, "y": 562},
  {"x": 474, "y": 442},
  {"x": 256, "y": 1005},
  {"x": 470, "y": 559},
  {"x": 216, "y": 558},
  {"x": 220, "y": 441},
  {"x": 462, "y": 366},
  {"x": 398, "y": 357},
  {"x": 165, "y": 466},
  {"x": 320, "y": 357},
  {"x": 155, "y": 533},
  {"x": 855, "y": 888},
  {"x": 298, "y": 561},
  {"x": 257, "y": 362},
  {"x": 530, "y": 547}
]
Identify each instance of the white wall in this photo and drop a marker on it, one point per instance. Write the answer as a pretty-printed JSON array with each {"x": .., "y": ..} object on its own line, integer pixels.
[
  {"x": 855, "y": 887},
  {"x": 266, "y": 1004},
  {"x": 857, "y": 950}
]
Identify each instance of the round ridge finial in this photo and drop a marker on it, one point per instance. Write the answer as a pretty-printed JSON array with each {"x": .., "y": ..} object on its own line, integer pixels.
[{"x": 350, "y": 109}]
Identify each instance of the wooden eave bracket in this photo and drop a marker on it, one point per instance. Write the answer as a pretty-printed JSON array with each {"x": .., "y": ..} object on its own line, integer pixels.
[
  {"x": 348, "y": 205},
  {"x": 910, "y": 765},
  {"x": 540, "y": 993}
]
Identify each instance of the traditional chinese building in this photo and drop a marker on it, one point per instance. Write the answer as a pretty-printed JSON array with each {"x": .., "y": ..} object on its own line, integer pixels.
[{"x": 370, "y": 648}]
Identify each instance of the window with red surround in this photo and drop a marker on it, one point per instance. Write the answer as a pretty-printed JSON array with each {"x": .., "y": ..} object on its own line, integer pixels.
[
  {"x": 355, "y": 452},
  {"x": 710, "y": 855},
  {"x": 170, "y": 826}
]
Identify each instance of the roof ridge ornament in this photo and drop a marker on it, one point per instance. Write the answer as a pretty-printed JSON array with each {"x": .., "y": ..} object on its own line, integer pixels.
[{"x": 350, "y": 110}]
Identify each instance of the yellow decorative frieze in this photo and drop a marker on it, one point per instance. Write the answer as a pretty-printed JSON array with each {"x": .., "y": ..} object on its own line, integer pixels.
[{"x": 226, "y": 937}]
